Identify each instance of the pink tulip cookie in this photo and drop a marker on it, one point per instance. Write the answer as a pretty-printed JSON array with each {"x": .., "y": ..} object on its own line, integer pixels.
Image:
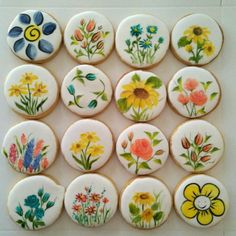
[
  {"x": 201, "y": 201},
  {"x": 89, "y": 37},
  {"x": 196, "y": 145},
  {"x": 91, "y": 200},
  {"x": 193, "y": 92},
  {"x": 30, "y": 147},
  {"x": 142, "y": 149}
]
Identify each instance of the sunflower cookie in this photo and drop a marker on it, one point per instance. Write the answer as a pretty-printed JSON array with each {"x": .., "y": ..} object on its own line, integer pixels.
[
  {"x": 196, "y": 145},
  {"x": 142, "y": 149},
  {"x": 34, "y": 36},
  {"x": 142, "y": 40},
  {"x": 196, "y": 39},
  {"x": 89, "y": 37},
  {"x": 91, "y": 200},
  {"x": 145, "y": 202},
  {"x": 35, "y": 202},
  {"x": 87, "y": 145},
  {"x": 193, "y": 92},
  {"x": 31, "y": 91},
  {"x": 30, "y": 147},
  {"x": 140, "y": 95},
  {"x": 201, "y": 200},
  {"x": 86, "y": 90}
]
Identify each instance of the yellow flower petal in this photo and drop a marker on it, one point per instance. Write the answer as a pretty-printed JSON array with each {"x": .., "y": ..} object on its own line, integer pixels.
[
  {"x": 210, "y": 190},
  {"x": 204, "y": 217},
  {"x": 217, "y": 207},
  {"x": 191, "y": 191},
  {"x": 188, "y": 209}
]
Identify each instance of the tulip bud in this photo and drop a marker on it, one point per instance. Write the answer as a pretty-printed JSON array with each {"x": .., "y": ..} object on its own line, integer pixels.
[
  {"x": 198, "y": 139},
  {"x": 90, "y": 26},
  {"x": 130, "y": 136},
  {"x": 193, "y": 156},
  {"x": 185, "y": 143},
  {"x": 207, "y": 148},
  {"x": 159, "y": 152},
  {"x": 78, "y": 35},
  {"x": 100, "y": 45},
  {"x": 96, "y": 37},
  {"x": 82, "y": 22},
  {"x": 84, "y": 44},
  {"x": 124, "y": 144},
  {"x": 205, "y": 158}
]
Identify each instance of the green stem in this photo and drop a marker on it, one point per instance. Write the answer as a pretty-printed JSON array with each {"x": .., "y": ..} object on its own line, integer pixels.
[
  {"x": 76, "y": 103},
  {"x": 136, "y": 170},
  {"x": 138, "y": 51}
]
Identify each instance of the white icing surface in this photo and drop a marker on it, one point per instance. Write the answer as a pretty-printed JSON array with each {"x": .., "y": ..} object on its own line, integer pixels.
[
  {"x": 35, "y": 141},
  {"x": 44, "y": 78},
  {"x": 91, "y": 85},
  {"x": 201, "y": 200},
  {"x": 146, "y": 186},
  {"x": 104, "y": 142},
  {"x": 134, "y": 147},
  {"x": 102, "y": 196},
  {"x": 208, "y": 152},
  {"x": 102, "y": 25},
  {"x": 192, "y": 79},
  {"x": 30, "y": 186},
  {"x": 123, "y": 34},
  {"x": 200, "y": 20}
]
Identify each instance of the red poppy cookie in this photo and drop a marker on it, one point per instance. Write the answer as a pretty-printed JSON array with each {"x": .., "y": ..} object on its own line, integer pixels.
[
  {"x": 31, "y": 91},
  {"x": 89, "y": 37},
  {"x": 140, "y": 95},
  {"x": 201, "y": 200},
  {"x": 196, "y": 39},
  {"x": 35, "y": 202},
  {"x": 86, "y": 90},
  {"x": 142, "y": 40},
  {"x": 87, "y": 145},
  {"x": 196, "y": 145},
  {"x": 145, "y": 202},
  {"x": 91, "y": 200},
  {"x": 30, "y": 147},
  {"x": 193, "y": 92},
  {"x": 34, "y": 36},
  {"x": 142, "y": 149}
]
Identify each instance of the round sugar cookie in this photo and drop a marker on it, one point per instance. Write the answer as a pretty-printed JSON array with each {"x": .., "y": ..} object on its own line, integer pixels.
[
  {"x": 34, "y": 36},
  {"x": 140, "y": 95},
  {"x": 35, "y": 202},
  {"x": 89, "y": 37},
  {"x": 145, "y": 202},
  {"x": 201, "y": 200},
  {"x": 30, "y": 147},
  {"x": 142, "y": 40},
  {"x": 31, "y": 91},
  {"x": 196, "y": 145},
  {"x": 91, "y": 200},
  {"x": 193, "y": 92},
  {"x": 87, "y": 145},
  {"x": 142, "y": 149},
  {"x": 86, "y": 90},
  {"x": 196, "y": 39}
]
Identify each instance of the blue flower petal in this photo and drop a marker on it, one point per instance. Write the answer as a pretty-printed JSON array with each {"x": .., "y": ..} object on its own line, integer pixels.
[
  {"x": 15, "y": 32},
  {"x": 24, "y": 18},
  {"x": 38, "y": 18},
  {"x": 49, "y": 28},
  {"x": 31, "y": 51},
  {"x": 18, "y": 45},
  {"x": 45, "y": 46}
]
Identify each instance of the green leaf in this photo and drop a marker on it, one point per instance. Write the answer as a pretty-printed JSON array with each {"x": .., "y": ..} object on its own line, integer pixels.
[
  {"x": 158, "y": 216},
  {"x": 5, "y": 152},
  {"x": 176, "y": 89},
  {"x": 77, "y": 98},
  {"x": 39, "y": 223},
  {"x": 18, "y": 145},
  {"x": 188, "y": 163},
  {"x": 207, "y": 138},
  {"x": 19, "y": 221},
  {"x": 148, "y": 134},
  {"x": 201, "y": 111},
  {"x": 184, "y": 155},
  {"x": 198, "y": 166},
  {"x": 77, "y": 160},
  {"x": 215, "y": 149},
  {"x": 158, "y": 161},
  {"x": 206, "y": 85},
  {"x": 155, "y": 134},
  {"x": 155, "y": 206},
  {"x": 105, "y": 34},
  {"x": 179, "y": 80},
  {"x": 213, "y": 95},
  {"x": 154, "y": 82},
  {"x": 144, "y": 165},
  {"x": 183, "y": 41},
  {"x": 104, "y": 97},
  {"x": 21, "y": 107},
  {"x": 155, "y": 142},
  {"x": 135, "y": 77},
  {"x": 127, "y": 156},
  {"x": 133, "y": 209},
  {"x": 70, "y": 103},
  {"x": 131, "y": 163},
  {"x": 27, "y": 214},
  {"x": 136, "y": 220},
  {"x": 41, "y": 104},
  {"x": 122, "y": 105}
]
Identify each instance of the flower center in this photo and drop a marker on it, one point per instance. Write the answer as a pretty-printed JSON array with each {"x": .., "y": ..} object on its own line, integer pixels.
[
  {"x": 202, "y": 203},
  {"x": 141, "y": 93},
  {"x": 32, "y": 33},
  {"x": 144, "y": 196},
  {"x": 197, "y": 31}
]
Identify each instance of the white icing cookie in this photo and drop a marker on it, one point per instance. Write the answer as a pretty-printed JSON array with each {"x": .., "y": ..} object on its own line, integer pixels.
[
  {"x": 35, "y": 202},
  {"x": 196, "y": 39},
  {"x": 145, "y": 202},
  {"x": 30, "y": 147},
  {"x": 196, "y": 145},
  {"x": 34, "y": 36},
  {"x": 31, "y": 91},
  {"x": 91, "y": 200},
  {"x": 201, "y": 200},
  {"x": 142, "y": 149},
  {"x": 142, "y": 40},
  {"x": 140, "y": 95},
  {"x": 193, "y": 92},
  {"x": 87, "y": 145},
  {"x": 86, "y": 90},
  {"x": 89, "y": 37}
]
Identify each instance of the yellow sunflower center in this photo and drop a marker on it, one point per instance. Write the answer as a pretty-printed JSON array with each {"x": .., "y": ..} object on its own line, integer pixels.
[
  {"x": 32, "y": 33},
  {"x": 197, "y": 31},
  {"x": 202, "y": 203},
  {"x": 141, "y": 93}
]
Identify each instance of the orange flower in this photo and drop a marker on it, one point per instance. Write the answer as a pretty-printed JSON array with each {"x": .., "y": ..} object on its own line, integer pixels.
[
  {"x": 198, "y": 97},
  {"x": 142, "y": 148},
  {"x": 207, "y": 147},
  {"x": 185, "y": 143},
  {"x": 105, "y": 200},
  {"x": 90, "y": 26},
  {"x": 78, "y": 35},
  {"x": 96, "y": 37},
  {"x": 44, "y": 163},
  {"x": 76, "y": 208},
  {"x": 95, "y": 197},
  {"x": 38, "y": 147},
  {"x": 23, "y": 139},
  {"x": 20, "y": 164},
  {"x": 90, "y": 210},
  {"x": 81, "y": 197},
  {"x": 205, "y": 158},
  {"x": 198, "y": 139},
  {"x": 183, "y": 99},
  {"x": 190, "y": 84}
]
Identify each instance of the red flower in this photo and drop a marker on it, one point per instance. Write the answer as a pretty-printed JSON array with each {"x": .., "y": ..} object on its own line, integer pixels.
[
  {"x": 44, "y": 163},
  {"x": 23, "y": 139},
  {"x": 78, "y": 35},
  {"x": 105, "y": 200},
  {"x": 95, "y": 197},
  {"x": 20, "y": 164},
  {"x": 90, "y": 210},
  {"x": 190, "y": 84},
  {"x": 31, "y": 169},
  {"x": 183, "y": 99},
  {"x": 198, "y": 97},
  {"x": 142, "y": 148},
  {"x": 76, "y": 208},
  {"x": 90, "y": 26},
  {"x": 80, "y": 197},
  {"x": 13, "y": 153}
]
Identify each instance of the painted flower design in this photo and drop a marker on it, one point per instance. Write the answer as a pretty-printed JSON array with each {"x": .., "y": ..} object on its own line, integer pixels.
[
  {"x": 31, "y": 35},
  {"x": 202, "y": 203}
]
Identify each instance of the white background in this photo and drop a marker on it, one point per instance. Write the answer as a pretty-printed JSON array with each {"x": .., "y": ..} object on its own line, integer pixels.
[{"x": 223, "y": 117}]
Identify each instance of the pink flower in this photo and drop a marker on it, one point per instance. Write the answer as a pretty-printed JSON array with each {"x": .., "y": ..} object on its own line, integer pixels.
[
  {"x": 20, "y": 164},
  {"x": 183, "y": 99},
  {"x": 38, "y": 147},
  {"x": 23, "y": 139},
  {"x": 13, "y": 153},
  {"x": 198, "y": 97},
  {"x": 142, "y": 148},
  {"x": 190, "y": 84},
  {"x": 44, "y": 163},
  {"x": 105, "y": 200}
]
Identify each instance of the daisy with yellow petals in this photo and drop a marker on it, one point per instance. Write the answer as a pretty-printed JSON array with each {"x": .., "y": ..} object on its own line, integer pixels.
[
  {"x": 209, "y": 48},
  {"x": 28, "y": 78},
  {"x": 89, "y": 137},
  {"x": 77, "y": 147},
  {"x": 39, "y": 89},
  {"x": 17, "y": 90},
  {"x": 143, "y": 198},
  {"x": 96, "y": 150},
  {"x": 197, "y": 33}
]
